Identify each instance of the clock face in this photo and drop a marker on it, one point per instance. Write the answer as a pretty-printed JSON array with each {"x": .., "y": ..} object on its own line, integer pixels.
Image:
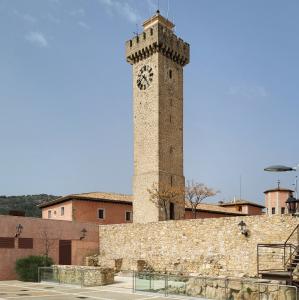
[{"x": 144, "y": 77}]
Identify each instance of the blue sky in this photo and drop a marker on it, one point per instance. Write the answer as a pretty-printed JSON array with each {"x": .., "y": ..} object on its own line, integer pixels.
[{"x": 66, "y": 93}]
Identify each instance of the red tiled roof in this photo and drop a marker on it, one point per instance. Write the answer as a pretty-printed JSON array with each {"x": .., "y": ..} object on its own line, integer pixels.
[
  {"x": 128, "y": 199},
  {"x": 241, "y": 202}
]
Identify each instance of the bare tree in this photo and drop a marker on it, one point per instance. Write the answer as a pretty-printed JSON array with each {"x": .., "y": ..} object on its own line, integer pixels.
[
  {"x": 195, "y": 193},
  {"x": 48, "y": 242},
  {"x": 162, "y": 195}
]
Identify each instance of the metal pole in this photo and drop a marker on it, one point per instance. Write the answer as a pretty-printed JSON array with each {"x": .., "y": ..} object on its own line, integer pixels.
[
  {"x": 284, "y": 257},
  {"x": 257, "y": 259},
  {"x": 133, "y": 281},
  {"x": 296, "y": 192},
  {"x": 166, "y": 285},
  {"x": 38, "y": 274}
]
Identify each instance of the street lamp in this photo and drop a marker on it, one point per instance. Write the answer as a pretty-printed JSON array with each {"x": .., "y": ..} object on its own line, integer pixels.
[
  {"x": 19, "y": 229},
  {"x": 83, "y": 234},
  {"x": 243, "y": 228},
  {"x": 279, "y": 168},
  {"x": 292, "y": 205}
]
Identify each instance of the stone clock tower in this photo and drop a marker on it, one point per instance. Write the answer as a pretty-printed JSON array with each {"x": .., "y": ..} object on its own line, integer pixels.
[{"x": 158, "y": 57}]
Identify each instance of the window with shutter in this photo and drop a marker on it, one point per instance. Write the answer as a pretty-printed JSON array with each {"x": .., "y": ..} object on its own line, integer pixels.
[
  {"x": 25, "y": 243},
  {"x": 7, "y": 242}
]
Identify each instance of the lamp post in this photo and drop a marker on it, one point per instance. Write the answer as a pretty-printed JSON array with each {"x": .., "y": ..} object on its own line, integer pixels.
[
  {"x": 280, "y": 168},
  {"x": 243, "y": 228},
  {"x": 19, "y": 229},
  {"x": 83, "y": 234},
  {"x": 292, "y": 205}
]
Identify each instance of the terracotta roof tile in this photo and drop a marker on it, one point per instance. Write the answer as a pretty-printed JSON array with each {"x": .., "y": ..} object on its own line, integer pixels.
[
  {"x": 114, "y": 197},
  {"x": 241, "y": 202}
]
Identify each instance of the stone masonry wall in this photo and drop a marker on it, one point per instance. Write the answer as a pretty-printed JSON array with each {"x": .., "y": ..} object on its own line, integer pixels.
[
  {"x": 83, "y": 275},
  {"x": 204, "y": 246}
]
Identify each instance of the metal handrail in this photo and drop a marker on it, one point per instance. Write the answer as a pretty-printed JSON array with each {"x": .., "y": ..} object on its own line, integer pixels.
[
  {"x": 292, "y": 234},
  {"x": 289, "y": 252}
]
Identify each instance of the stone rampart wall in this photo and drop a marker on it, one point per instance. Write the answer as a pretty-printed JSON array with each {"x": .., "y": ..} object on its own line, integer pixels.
[{"x": 204, "y": 246}]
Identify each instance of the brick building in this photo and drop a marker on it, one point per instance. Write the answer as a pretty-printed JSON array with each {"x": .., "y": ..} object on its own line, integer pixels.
[
  {"x": 110, "y": 208},
  {"x": 275, "y": 200},
  {"x": 244, "y": 206}
]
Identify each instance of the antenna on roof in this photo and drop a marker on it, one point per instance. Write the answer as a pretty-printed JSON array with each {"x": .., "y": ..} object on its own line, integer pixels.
[
  {"x": 240, "y": 187},
  {"x": 295, "y": 185},
  {"x": 278, "y": 184}
]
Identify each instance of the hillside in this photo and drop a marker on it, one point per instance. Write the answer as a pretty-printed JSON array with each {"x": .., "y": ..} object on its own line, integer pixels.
[{"x": 26, "y": 203}]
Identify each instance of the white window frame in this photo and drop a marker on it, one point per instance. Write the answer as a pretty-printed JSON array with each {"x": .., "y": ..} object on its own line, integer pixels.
[
  {"x": 104, "y": 213},
  {"x": 131, "y": 216}
]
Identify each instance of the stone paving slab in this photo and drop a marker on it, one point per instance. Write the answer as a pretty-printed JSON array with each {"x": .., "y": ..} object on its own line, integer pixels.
[
  {"x": 41, "y": 291},
  {"x": 115, "y": 295}
]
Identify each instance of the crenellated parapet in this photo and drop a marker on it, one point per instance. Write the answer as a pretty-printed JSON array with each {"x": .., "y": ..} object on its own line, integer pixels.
[{"x": 157, "y": 38}]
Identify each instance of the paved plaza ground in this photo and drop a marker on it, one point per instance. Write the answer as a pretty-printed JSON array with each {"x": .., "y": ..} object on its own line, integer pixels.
[{"x": 38, "y": 291}]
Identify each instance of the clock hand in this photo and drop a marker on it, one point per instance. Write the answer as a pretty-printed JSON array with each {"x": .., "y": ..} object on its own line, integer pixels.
[{"x": 145, "y": 79}]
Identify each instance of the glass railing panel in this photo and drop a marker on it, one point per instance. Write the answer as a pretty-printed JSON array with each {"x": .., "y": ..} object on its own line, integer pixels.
[
  {"x": 154, "y": 283},
  {"x": 48, "y": 274},
  {"x": 213, "y": 288},
  {"x": 287, "y": 292},
  {"x": 177, "y": 285}
]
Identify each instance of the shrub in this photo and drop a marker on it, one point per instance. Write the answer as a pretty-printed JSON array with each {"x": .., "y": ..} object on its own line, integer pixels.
[{"x": 27, "y": 268}]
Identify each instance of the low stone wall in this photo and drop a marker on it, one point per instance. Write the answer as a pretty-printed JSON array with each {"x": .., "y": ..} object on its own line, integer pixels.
[
  {"x": 234, "y": 289},
  {"x": 212, "y": 247},
  {"x": 83, "y": 275}
]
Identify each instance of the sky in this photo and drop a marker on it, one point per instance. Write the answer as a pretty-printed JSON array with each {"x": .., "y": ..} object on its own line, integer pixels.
[{"x": 66, "y": 94}]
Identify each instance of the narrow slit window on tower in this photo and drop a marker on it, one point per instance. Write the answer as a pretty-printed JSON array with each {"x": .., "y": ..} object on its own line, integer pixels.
[
  {"x": 170, "y": 74},
  {"x": 131, "y": 43},
  {"x": 137, "y": 39},
  {"x": 101, "y": 213},
  {"x": 171, "y": 211},
  {"x": 170, "y": 119},
  {"x": 152, "y": 31},
  {"x": 171, "y": 180},
  {"x": 144, "y": 35}
]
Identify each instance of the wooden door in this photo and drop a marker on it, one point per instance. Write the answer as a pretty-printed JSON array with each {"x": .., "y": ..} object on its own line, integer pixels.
[{"x": 65, "y": 252}]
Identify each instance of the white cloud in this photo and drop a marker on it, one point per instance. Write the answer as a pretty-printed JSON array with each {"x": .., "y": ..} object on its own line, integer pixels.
[
  {"x": 83, "y": 25},
  {"x": 121, "y": 8},
  {"x": 37, "y": 38},
  {"x": 25, "y": 17},
  {"x": 80, "y": 12},
  {"x": 248, "y": 91}
]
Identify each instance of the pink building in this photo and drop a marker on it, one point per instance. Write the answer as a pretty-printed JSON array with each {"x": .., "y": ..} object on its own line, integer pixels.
[
  {"x": 110, "y": 208},
  {"x": 65, "y": 242},
  {"x": 99, "y": 208},
  {"x": 244, "y": 206},
  {"x": 275, "y": 200}
]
